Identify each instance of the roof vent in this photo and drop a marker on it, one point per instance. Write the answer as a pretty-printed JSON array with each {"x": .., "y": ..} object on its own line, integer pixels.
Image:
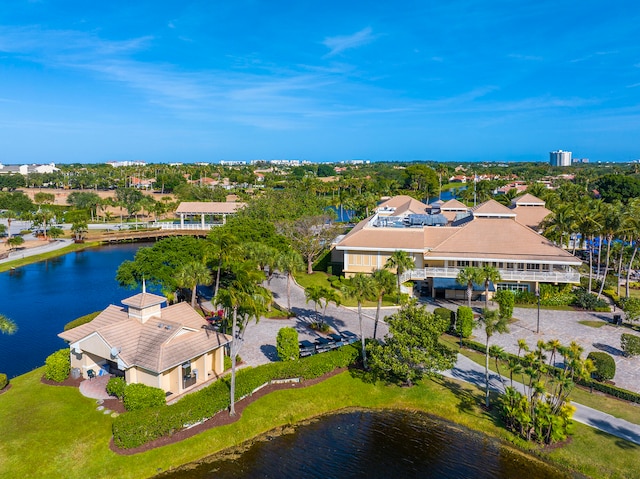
[
  {"x": 160, "y": 325},
  {"x": 167, "y": 327}
]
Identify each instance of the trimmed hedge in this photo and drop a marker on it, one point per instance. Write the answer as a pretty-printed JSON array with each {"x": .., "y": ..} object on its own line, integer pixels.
[
  {"x": 57, "y": 366},
  {"x": 630, "y": 344},
  {"x": 141, "y": 396},
  {"x": 136, "y": 428},
  {"x": 464, "y": 325},
  {"x": 116, "y": 386},
  {"x": 81, "y": 320},
  {"x": 605, "y": 365},
  {"x": 287, "y": 344},
  {"x": 3, "y": 380},
  {"x": 447, "y": 315}
]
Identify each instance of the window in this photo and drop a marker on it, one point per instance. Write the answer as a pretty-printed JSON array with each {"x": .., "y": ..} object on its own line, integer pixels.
[
  {"x": 533, "y": 266},
  {"x": 512, "y": 287},
  {"x": 462, "y": 264}
]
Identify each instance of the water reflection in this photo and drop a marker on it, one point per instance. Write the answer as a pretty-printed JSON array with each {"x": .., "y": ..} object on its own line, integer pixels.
[{"x": 373, "y": 444}]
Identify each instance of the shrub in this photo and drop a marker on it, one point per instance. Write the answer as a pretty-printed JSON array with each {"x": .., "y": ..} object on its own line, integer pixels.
[
  {"x": 585, "y": 300},
  {"x": 287, "y": 344},
  {"x": 464, "y": 324},
  {"x": 605, "y": 365},
  {"x": 227, "y": 361},
  {"x": 525, "y": 297},
  {"x": 141, "y": 396},
  {"x": 320, "y": 326},
  {"x": 141, "y": 426},
  {"x": 506, "y": 300},
  {"x": 630, "y": 344},
  {"x": 3, "y": 381},
  {"x": 81, "y": 320},
  {"x": 57, "y": 366},
  {"x": 116, "y": 387},
  {"x": 445, "y": 314},
  {"x": 631, "y": 308}
]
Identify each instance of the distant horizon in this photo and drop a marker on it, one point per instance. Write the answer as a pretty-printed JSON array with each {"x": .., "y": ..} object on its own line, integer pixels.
[{"x": 192, "y": 81}]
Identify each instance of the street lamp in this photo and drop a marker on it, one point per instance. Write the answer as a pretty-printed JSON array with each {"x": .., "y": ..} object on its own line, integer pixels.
[{"x": 538, "y": 324}]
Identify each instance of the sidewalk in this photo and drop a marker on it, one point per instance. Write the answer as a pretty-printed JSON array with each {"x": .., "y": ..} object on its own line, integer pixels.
[
  {"x": 470, "y": 372},
  {"x": 52, "y": 246},
  {"x": 259, "y": 347}
]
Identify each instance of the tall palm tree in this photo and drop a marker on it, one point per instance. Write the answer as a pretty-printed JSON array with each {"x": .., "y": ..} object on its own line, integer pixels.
[
  {"x": 492, "y": 323},
  {"x": 632, "y": 227},
  {"x": 224, "y": 247},
  {"x": 488, "y": 274},
  {"x": 244, "y": 299},
  {"x": 289, "y": 262},
  {"x": 466, "y": 277},
  {"x": 401, "y": 261},
  {"x": 612, "y": 223},
  {"x": 314, "y": 293},
  {"x": 7, "y": 326},
  {"x": 360, "y": 287},
  {"x": 383, "y": 283},
  {"x": 588, "y": 223},
  {"x": 190, "y": 275}
]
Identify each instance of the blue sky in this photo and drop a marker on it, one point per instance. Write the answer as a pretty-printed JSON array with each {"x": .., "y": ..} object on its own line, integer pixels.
[{"x": 95, "y": 81}]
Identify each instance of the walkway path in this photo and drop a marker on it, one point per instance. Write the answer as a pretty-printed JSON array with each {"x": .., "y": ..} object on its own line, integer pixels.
[
  {"x": 468, "y": 371},
  {"x": 259, "y": 347},
  {"x": 45, "y": 248}
]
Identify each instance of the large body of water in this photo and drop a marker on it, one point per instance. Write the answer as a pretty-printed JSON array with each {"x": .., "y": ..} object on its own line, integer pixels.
[
  {"x": 42, "y": 297},
  {"x": 373, "y": 444}
]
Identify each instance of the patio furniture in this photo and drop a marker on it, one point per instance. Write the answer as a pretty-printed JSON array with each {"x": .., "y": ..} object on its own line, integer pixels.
[
  {"x": 91, "y": 374},
  {"x": 349, "y": 337}
]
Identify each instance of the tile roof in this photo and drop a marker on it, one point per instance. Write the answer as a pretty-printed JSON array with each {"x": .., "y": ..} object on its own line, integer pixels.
[
  {"x": 143, "y": 300},
  {"x": 492, "y": 208},
  {"x": 453, "y": 205},
  {"x": 531, "y": 216},
  {"x": 180, "y": 334},
  {"x": 209, "y": 207},
  {"x": 528, "y": 199},
  {"x": 404, "y": 204}
]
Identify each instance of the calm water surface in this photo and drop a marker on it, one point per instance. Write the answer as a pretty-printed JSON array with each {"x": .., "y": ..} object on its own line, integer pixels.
[
  {"x": 42, "y": 297},
  {"x": 374, "y": 444}
]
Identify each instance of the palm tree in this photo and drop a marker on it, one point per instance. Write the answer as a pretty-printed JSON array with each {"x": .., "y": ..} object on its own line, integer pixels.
[
  {"x": 289, "y": 262},
  {"x": 6, "y": 325},
  {"x": 244, "y": 300},
  {"x": 360, "y": 287},
  {"x": 632, "y": 227},
  {"x": 489, "y": 274},
  {"x": 611, "y": 227},
  {"x": 314, "y": 293},
  {"x": 190, "y": 275},
  {"x": 493, "y": 324},
  {"x": 224, "y": 245},
  {"x": 401, "y": 261},
  {"x": 329, "y": 295},
  {"x": 466, "y": 277},
  {"x": 264, "y": 255},
  {"x": 382, "y": 283}
]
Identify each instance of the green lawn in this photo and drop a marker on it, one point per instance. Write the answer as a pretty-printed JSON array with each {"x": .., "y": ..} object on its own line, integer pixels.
[
  {"x": 610, "y": 405},
  {"x": 51, "y": 431},
  {"x": 41, "y": 257},
  {"x": 319, "y": 278},
  {"x": 593, "y": 324}
]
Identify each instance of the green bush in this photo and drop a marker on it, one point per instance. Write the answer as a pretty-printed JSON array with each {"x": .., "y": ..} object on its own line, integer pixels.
[
  {"x": 141, "y": 396},
  {"x": 630, "y": 344},
  {"x": 506, "y": 300},
  {"x": 287, "y": 344},
  {"x": 589, "y": 301},
  {"x": 227, "y": 363},
  {"x": 3, "y": 381},
  {"x": 81, "y": 320},
  {"x": 605, "y": 365},
  {"x": 57, "y": 366},
  {"x": 116, "y": 387},
  {"x": 464, "y": 323},
  {"x": 320, "y": 326},
  {"x": 138, "y": 427},
  {"x": 525, "y": 297}
]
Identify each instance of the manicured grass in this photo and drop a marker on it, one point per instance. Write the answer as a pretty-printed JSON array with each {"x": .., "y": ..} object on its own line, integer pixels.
[
  {"x": 58, "y": 420},
  {"x": 593, "y": 324},
  {"x": 543, "y": 308},
  {"x": 319, "y": 278},
  {"x": 44, "y": 256},
  {"x": 610, "y": 405}
]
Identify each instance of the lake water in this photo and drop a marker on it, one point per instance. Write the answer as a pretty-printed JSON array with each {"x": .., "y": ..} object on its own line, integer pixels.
[
  {"x": 42, "y": 297},
  {"x": 373, "y": 444}
]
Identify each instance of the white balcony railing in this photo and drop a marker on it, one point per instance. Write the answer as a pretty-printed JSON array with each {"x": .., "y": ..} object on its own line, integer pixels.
[
  {"x": 555, "y": 276},
  {"x": 178, "y": 226}
]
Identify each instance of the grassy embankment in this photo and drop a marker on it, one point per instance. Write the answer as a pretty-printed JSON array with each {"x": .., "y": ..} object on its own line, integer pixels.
[
  {"x": 44, "y": 256},
  {"x": 610, "y": 405},
  {"x": 52, "y": 431}
]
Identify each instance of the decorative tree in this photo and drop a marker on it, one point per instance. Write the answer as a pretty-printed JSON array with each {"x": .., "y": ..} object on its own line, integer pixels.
[
  {"x": 360, "y": 287},
  {"x": 401, "y": 261},
  {"x": 492, "y": 323}
]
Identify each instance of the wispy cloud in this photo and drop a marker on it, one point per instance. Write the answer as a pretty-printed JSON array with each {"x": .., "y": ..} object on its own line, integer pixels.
[{"x": 341, "y": 43}]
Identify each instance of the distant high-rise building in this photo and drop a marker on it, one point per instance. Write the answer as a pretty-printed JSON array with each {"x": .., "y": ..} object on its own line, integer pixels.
[{"x": 560, "y": 158}]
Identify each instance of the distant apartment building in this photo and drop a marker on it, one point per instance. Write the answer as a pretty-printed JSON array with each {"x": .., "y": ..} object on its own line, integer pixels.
[
  {"x": 560, "y": 158},
  {"x": 121, "y": 164}
]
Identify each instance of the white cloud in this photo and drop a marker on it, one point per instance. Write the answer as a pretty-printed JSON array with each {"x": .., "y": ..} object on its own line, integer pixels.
[{"x": 341, "y": 43}]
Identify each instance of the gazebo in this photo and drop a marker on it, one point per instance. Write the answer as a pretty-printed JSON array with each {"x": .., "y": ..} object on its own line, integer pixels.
[{"x": 190, "y": 209}]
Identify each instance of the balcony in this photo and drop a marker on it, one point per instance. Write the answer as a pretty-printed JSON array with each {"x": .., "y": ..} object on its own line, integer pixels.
[{"x": 556, "y": 276}]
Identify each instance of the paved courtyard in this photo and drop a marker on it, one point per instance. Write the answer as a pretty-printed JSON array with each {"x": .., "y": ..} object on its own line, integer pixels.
[{"x": 259, "y": 347}]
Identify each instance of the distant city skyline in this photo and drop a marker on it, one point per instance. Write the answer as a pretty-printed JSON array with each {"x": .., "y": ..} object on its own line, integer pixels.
[{"x": 196, "y": 81}]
